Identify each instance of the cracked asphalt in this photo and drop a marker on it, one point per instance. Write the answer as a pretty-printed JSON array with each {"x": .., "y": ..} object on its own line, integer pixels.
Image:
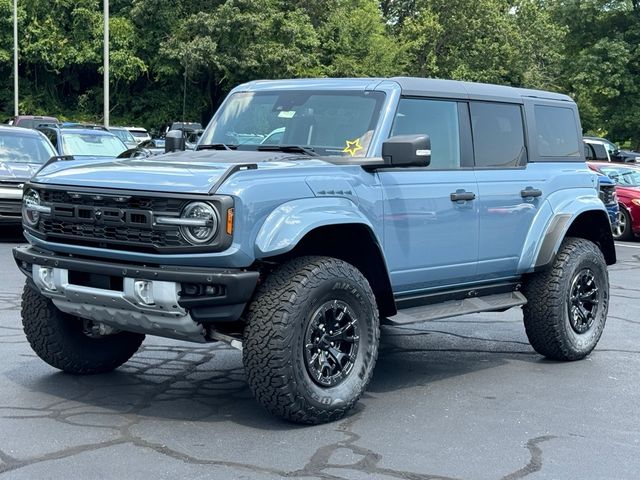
[{"x": 461, "y": 398}]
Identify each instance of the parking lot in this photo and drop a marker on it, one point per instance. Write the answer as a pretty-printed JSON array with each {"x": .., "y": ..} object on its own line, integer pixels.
[{"x": 458, "y": 398}]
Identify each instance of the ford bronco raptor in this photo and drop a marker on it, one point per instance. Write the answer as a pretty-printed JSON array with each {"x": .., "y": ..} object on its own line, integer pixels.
[{"x": 310, "y": 212}]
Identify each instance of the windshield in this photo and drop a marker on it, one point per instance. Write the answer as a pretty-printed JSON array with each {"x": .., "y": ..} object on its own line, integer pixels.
[
  {"x": 87, "y": 144},
  {"x": 24, "y": 149},
  {"x": 627, "y": 177},
  {"x": 139, "y": 133},
  {"x": 611, "y": 147},
  {"x": 123, "y": 135},
  {"x": 329, "y": 122}
]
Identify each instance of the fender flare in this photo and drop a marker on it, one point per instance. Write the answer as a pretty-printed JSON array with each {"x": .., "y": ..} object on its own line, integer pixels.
[
  {"x": 286, "y": 225},
  {"x": 540, "y": 253}
]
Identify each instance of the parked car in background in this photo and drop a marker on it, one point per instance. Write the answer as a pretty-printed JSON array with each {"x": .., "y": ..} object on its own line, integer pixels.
[
  {"x": 33, "y": 121},
  {"x": 614, "y": 154},
  {"x": 155, "y": 146},
  {"x": 139, "y": 133},
  {"x": 22, "y": 152},
  {"x": 186, "y": 126},
  {"x": 125, "y": 135},
  {"x": 627, "y": 180},
  {"x": 85, "y": 142},
  {"x": 607, "y": 189}
]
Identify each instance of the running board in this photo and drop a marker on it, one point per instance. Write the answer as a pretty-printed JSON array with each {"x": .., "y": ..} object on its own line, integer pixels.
[{"x": 453, "y": 308}]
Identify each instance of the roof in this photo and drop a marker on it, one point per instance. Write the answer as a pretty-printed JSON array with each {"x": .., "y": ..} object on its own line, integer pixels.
[
  {"x": 18, "y": 130},
  {"x": 432, "y": 87},
  {"x": 456, "y": 88}
]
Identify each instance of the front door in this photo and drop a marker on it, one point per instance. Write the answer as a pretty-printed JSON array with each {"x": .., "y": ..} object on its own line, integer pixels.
[{"x": 430, "y": 237}]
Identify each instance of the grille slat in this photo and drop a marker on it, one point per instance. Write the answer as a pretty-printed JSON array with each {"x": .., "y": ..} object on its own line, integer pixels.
[{"x": 120, "y": 222}]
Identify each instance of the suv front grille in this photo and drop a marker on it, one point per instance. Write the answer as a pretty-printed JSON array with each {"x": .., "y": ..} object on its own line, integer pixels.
[
  {"x": 608, "y": 194},
  {"x": 120, "y": 222}
]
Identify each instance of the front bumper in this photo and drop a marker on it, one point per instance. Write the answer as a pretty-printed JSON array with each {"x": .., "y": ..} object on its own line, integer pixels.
[
  {"x": 108, "y": 292},
  {"x": 10, "y": 210}
]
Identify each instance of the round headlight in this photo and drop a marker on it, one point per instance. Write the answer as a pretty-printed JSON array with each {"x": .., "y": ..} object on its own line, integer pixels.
[
  {"x": 204, "y": 223},
  {"x": 30, "y": 204}
]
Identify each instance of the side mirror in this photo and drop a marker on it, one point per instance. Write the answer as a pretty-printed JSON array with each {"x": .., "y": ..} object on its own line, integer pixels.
[
  {"x": 174, "y": 141},
  {"x": 407, "y": 151}
]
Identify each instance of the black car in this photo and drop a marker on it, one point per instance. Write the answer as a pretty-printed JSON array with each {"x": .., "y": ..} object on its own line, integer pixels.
[
  {"x": 613, "y": 151},
  {"x": 22, "y": 152}
]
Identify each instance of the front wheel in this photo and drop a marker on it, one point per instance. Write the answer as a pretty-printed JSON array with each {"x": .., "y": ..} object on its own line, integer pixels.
[
  {"x": 311, "y": 339},
  {"x": 622, "y": 230},
  {"x": 568, "y": 302},
  {"x": 69, "y": 343}
]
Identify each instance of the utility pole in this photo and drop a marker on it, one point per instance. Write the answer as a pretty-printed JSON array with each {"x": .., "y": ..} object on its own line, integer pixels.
[
  {"x": 15, "y": 57},
  {"x": 106, "y": 62}
]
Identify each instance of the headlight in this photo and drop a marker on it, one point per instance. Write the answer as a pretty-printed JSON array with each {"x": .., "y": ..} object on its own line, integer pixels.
[
  {"x": 31, "y": 208},
  {"x": 199, "y": 223}
]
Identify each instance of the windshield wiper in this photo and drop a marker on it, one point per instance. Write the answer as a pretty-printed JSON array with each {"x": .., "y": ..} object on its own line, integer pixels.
[
  {"x": 288, "y": 149},
  {"x": 217, "y": 146}
]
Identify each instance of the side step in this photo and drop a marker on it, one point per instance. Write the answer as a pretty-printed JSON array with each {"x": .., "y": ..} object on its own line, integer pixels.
[{"x": 452, "y": 308}]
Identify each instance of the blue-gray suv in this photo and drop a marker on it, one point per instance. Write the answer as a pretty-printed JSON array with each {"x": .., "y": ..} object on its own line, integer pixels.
[{"x": 311, "y": 212}]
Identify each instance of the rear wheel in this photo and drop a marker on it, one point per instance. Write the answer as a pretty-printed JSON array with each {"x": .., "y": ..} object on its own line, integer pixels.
[
  {"x": 70, "y": 343},
  {"x": 568, "y": 303},
  {"x": 311, "y": 339}
]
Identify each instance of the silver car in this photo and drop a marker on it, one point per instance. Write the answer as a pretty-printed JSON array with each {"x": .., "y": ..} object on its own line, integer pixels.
[{"x": 22, "y": 152}]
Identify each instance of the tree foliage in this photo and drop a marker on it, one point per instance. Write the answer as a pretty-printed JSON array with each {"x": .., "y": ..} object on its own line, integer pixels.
[{"x": 170, "y": 55}]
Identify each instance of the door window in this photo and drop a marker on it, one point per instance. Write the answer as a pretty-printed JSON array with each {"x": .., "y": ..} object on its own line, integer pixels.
[
  {"x": 498, "y": 134},
  {"x": 439, "y": 120}
]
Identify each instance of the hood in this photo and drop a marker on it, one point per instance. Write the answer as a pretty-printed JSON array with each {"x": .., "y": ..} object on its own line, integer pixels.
[
  {"x": 17, "y": 171},
  {"x": 633, "y": 192},
  {"x": 179, "y": 172},
  {"x": 627, "y": 154}
]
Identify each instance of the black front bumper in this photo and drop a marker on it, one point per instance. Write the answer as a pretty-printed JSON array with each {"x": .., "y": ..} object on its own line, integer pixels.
[{"x": 233, "y": 287}]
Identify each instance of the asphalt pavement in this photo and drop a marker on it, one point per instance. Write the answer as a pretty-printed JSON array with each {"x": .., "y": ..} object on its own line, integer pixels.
[{"x": 463, "y": 398}]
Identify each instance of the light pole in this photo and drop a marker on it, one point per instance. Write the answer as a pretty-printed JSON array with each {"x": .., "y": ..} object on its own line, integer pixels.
[
  {"x": 15, "y": 57},
  {"x": 106, "y": 62}
]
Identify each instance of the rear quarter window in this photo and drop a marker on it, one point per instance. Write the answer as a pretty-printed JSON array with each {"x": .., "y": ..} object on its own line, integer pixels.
[{"x": 557, "y": 132}]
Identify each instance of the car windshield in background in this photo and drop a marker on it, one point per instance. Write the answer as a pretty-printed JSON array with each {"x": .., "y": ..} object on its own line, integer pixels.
[
  {"x": 625, "y": 177},
  {"x": 139, "y": 133},
  {"x": 87, "y": 144},
  {"x": 123, "y": 134},
  {"x": 328, "y": 122},
  {"x": 24, "y": 149}
]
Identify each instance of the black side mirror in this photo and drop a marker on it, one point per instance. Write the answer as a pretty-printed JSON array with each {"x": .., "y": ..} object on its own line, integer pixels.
[
  {"x": 174, "y": 141},
  {"x": 407, "y": 151}
]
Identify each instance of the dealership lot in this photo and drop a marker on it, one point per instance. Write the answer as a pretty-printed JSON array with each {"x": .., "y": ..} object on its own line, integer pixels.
[{"x": 458, "y": 398}]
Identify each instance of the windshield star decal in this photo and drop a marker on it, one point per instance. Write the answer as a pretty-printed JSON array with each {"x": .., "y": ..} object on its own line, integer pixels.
[{"x": 352, "y": 147}]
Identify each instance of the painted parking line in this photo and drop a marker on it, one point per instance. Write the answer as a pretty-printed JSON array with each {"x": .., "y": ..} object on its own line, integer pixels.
[{"x": 628, "y": 246}]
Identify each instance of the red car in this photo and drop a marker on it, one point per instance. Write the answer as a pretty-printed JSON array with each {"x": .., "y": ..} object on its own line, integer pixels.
[{"x": 627, "y": 180}]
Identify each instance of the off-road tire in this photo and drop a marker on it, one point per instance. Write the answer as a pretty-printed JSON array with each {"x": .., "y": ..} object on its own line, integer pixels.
[
  {"x": 546, "y": 314},
  {"x": 58, "y": 338},
  {"x": 274, "y": 339}
]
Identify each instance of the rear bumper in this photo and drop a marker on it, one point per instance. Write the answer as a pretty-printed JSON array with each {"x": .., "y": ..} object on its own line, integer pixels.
[{"x": 106, "y": 292}]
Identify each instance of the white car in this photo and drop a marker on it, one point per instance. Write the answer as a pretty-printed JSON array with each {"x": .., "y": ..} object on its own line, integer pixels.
[{"x": 139, "y": 133}]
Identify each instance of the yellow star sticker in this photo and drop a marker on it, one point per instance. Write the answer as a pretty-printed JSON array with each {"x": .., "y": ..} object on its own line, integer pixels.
[{"x": 352, "y": 147}]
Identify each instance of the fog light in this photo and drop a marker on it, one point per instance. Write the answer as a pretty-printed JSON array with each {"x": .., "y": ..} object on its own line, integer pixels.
[
  {"x": 46, "y": 277},
  {"x": 143, "y": 291}
]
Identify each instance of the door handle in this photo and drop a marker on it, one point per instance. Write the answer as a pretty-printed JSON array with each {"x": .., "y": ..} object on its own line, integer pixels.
[
  {"x": 462, "y": 195},
  {"x": 530, "y": 192}
]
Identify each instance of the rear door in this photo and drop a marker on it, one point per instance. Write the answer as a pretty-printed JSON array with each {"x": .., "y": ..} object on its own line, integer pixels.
[{"x": 431, "y": 240}]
